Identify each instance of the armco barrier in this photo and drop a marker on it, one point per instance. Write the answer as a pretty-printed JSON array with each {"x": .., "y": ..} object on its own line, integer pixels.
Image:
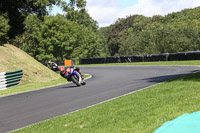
[
  {"x": 156, "y": 57},
  {"x": 126, "y": 59},
  {"x": 10, "y": 79},
  {"x": 113, "y": 59},
  {"x": 181, "y": 56}
]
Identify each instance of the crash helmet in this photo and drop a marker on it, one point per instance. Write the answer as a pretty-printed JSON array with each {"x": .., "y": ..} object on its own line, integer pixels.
[
  {"x": 62, "y": 70},
  {"x": 49, "y": 63}
]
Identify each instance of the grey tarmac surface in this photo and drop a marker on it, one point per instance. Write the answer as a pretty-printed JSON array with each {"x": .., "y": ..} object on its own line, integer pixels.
[{"x": 108, "y": 82}]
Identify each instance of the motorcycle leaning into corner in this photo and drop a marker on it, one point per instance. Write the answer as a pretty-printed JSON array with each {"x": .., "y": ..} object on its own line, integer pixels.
[{"x": 72, "y": 74}]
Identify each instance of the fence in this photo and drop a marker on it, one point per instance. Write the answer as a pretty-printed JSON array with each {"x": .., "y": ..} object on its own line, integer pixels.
[
  {"x": 10, "y": 79},
  {"x": 193, "y": 55}
]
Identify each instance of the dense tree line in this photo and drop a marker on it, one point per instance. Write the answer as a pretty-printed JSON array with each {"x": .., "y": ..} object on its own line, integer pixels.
[
  {"x": 28, "y": 25},
  {"x": 137, "y": 34}
]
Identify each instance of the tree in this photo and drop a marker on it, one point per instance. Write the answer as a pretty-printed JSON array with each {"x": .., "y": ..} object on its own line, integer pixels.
[
  {"x": 29, "y": 41},
  {"x": 4, "y": 27},
  {"x": 87, "y": 43},
  {"x": 57, "y": 38},
  {"x": 76, "y": 12},
  {"x": 175, "y": 32},
  {"x": 17, "y": 11},
  {"x": 103, "y": 35},
  {"x": 118, "y": 33}
]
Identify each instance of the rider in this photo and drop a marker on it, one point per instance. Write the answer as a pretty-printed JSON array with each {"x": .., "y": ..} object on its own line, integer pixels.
[
  {"x": 51, "y": 65},
  {"x": 63, "y": 72}
]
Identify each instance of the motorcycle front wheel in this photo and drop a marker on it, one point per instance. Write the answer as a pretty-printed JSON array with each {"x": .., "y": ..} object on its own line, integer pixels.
[
  {"x": 75, "y": 80},
  {"x": 83, "y": 83}
]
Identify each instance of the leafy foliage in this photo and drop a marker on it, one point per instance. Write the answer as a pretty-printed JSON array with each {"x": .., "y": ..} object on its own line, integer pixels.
[
  {"x": 118, "y": 32},
  {"x": 58, "y": 38},
  {"x": 103, "y": 34},
  {"x": 175, "y": 32},
  {"x": 17, "y": 11},
  {"x": 73, "y": 35},
  {"x": 76, "y": 12},
  {"x": 4, "y": 28}
]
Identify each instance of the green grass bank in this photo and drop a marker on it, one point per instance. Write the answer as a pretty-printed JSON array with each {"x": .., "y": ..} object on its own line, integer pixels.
[{"x": 35, "y": 75}]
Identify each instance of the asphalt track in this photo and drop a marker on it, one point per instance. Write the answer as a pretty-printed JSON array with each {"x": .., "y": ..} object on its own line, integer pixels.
[{"x": 24, "y": 109}]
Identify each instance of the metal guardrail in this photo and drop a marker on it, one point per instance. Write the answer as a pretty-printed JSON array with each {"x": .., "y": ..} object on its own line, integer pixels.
[
  {"x": 182, "y": 56},
  {"x": 10, "y": 79}
]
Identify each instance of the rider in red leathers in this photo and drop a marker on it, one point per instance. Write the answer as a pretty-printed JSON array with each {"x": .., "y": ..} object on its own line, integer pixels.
[{"x": 63, "y": 72}]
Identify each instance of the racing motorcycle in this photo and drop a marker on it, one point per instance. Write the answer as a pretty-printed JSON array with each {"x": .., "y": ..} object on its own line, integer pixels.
[
  {"x": 54, "y": 67},
  {"x": 75, "y": 77}
]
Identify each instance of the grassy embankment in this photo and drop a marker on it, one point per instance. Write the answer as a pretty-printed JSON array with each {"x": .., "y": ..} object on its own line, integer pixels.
[
  {"x": 35, "y": 75},
  {"x": 140, "y": 112}
]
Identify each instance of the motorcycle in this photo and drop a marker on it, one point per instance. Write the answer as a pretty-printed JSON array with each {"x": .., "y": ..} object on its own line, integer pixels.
[
  {"x": 75, "y": 77},
  {"x": 54, "y": 67}
]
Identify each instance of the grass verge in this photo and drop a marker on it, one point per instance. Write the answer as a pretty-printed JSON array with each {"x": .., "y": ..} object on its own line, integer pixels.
[
  {"x": 34, "y": 86},
  {"x": 185, "y": 63},
  {"x": 140, "y": 112}
]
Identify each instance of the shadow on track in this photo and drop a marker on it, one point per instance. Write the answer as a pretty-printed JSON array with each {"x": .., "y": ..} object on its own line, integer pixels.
[{"x": 169, "y": 78}]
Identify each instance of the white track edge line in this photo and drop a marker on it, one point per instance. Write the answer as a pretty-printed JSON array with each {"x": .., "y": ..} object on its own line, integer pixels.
[
  {"x": 96, "y": 104},
  {"x": 43, "y": 88},
  {"x": 89, "y": 106}
]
